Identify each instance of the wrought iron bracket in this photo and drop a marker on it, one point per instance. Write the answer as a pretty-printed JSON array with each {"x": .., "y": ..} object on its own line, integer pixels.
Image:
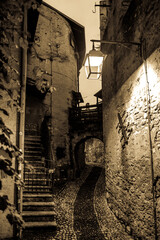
[
  {"x": 100, "y": 5},
  {"x": 140, "y": 45}
]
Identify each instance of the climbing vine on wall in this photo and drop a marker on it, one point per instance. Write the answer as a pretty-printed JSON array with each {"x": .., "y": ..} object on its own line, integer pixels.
[{"x": 11, "y": 42}]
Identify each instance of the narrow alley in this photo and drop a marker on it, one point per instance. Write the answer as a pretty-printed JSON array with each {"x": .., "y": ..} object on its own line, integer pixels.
[{"x": 80, "y": 120}]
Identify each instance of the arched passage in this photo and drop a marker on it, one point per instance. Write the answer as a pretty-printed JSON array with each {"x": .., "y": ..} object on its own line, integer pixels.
[
  {"x": 94, "y": 152},
  {"x": 89, "y": 150}
]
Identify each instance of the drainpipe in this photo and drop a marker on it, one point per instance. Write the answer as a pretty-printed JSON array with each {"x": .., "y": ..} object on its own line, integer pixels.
[
  {"x": 53, "y": 163},
  {"x": 150, "y": 137},
  {"x": 23, "y": 103},
  {"x": 78, "y": 81}
]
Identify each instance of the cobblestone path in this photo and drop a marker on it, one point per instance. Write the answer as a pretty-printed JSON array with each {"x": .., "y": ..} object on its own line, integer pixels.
[
  {"x": 82, "y": 212},
  {"x": 64, "y": 201},
  {"x": 65, "y": 207},
  {"x": 86, "y": 226}
]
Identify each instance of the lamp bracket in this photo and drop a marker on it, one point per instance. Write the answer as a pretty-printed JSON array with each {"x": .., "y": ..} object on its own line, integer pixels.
[
  {"x": 122, "y": 43},
  {"x": 100, "y": 5}
]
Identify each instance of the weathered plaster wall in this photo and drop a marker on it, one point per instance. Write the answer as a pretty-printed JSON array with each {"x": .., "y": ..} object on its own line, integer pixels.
[
  {"x": 129, "y": 24},
  {"x": 125, "y": 115},
  {"x": 8, "y": 184},
  {"x": 53, "y": 58},
  {"x": 128, "y": 167},
  {"x": 12, "y": 50}
]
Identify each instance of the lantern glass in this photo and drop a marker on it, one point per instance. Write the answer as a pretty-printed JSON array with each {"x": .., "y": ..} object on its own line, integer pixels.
[{"x": 93, "y": 64}]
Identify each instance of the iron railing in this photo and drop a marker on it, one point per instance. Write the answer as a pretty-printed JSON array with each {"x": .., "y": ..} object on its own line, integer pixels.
[
  {"x": 38, "y": 178},
  {"x": 86, "y": 117}
]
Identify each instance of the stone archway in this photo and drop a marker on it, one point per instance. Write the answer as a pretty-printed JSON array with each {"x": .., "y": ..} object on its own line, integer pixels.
[
  {"x": 94, "y": 152},
  {"x": 85, "y": 149}
]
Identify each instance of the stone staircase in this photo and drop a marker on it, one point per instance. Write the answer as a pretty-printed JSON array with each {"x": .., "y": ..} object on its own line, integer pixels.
[{"x": 38, "y": 205}]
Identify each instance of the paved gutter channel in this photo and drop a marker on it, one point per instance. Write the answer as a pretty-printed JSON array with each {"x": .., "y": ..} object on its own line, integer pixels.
[
  {"x": 65, "y": 207},
  {"x": 85, "y": 221}
]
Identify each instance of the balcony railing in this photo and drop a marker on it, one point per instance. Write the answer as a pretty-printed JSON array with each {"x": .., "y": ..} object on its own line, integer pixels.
[{"x": 86, "y": 117}]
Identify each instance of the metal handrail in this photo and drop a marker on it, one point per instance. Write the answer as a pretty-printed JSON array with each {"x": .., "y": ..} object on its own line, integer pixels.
[{"x": 87, "y": 114}]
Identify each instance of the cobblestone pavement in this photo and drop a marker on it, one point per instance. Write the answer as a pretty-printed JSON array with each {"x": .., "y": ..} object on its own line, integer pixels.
[
  {"x": 107, "y": 226},
  {"x": 85, "y": 220},
  {"x": 65, "y": 207}
]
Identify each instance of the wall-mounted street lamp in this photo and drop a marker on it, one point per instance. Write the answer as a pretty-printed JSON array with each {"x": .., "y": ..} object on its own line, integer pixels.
[{"x": 93, "y": 61}]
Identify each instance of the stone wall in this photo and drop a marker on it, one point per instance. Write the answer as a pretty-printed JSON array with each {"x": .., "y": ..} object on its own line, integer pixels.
[
  {"x": 53, "y": 57},
  {"x": 127, "y": 109},
  {"x": 82, "y": 137},
  {"x": 10, "y": 56},
  {"x": 140, "y": 20}
]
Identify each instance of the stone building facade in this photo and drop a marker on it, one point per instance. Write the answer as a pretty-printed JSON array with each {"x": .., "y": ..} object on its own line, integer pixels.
[
  {"x": 10, "y": 55},
  {"x": 54, "y": 62},
  {"x": 55, "y": 48},
  {"x": 131, "y": 97}
]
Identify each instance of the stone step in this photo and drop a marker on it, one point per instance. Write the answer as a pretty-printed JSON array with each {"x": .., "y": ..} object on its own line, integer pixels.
[
  {"x": 36, "y": 178},
  {"x": 32, "y": 136},
  {"x": 38, "y": 216},
  {"x": 33, "y": 157},
  {"x": 36, "y": 175},
  {"x": 32, "y": 148},
  {"x": 33, "y": 163},
  {"x": 32, "y": 145},
  {"x": 32, "y": 141},
  {"x": 29, "y": 190},
  {"x": 39, "y": 213},
  {"x": 37, "y": 182},
  {"x": 33, "y": 152},
  {"x": 41, "y": 197},
  {"x": 36, "y": 190},
  {"x": 38, "y": 206},
  {"x": 38, "y": 187},
  {"x": 41, "y": 169},
  {"x": 40, "y": 224}
]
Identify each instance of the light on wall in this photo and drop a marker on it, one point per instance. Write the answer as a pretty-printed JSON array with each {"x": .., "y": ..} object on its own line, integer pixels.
[
  {"x": 97, "y": 71},
  {"x": 93, "y": 61}
]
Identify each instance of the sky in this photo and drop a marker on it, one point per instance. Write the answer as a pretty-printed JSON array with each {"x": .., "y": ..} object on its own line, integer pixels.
[{"x": 81, "y": 12}]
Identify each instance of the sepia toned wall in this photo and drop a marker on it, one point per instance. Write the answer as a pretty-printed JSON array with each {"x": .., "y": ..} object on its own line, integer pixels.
[
  {"x": 9, "y": 101},
  {"x": 128, "y": 107},
  {"x": 53, "y": 57}
]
